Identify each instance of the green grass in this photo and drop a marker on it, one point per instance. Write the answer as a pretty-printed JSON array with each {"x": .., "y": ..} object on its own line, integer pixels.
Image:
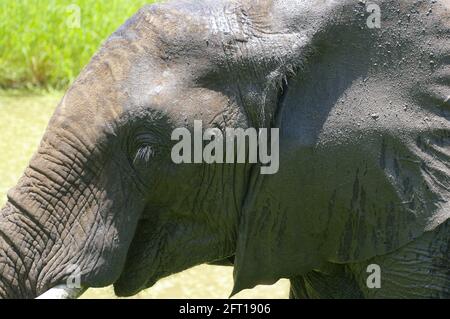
[{"x": 41, "y": 48}]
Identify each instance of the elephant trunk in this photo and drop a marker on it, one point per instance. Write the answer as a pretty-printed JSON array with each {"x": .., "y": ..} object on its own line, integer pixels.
[
  {"x": 59, "y": 220},
  {"x": 18, "y": 273},
  {"x": 23, "y": 258},
  {"x": 75, "y": 210}
]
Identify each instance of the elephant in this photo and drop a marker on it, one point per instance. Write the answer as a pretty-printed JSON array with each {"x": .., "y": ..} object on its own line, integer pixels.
[{"x": 360, "y": 206}]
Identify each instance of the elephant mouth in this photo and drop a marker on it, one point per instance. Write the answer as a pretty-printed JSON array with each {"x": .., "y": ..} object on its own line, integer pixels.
[{"x": 127, "y": 287}]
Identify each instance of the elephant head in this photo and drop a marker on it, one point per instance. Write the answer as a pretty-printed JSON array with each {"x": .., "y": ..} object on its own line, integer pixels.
[{"x": 363, "y": 132}]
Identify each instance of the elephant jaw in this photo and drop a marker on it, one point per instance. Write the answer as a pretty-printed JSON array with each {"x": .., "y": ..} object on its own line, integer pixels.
[{"x": 62, "y": 292}]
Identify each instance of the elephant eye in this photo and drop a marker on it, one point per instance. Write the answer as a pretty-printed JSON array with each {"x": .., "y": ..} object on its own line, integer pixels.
[{"x": 144, "y": 154}]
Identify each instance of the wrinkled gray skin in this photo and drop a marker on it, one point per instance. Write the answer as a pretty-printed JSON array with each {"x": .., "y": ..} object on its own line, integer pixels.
[{"x": 364, "y": 157}]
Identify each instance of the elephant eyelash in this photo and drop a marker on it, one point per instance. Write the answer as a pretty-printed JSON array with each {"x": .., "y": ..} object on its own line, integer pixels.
[{"x": 144, "y": 154}]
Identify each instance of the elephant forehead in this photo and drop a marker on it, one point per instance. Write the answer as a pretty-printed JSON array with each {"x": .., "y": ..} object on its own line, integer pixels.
[
  {"x": 204, "y": 30},
  {"x": 185, "y": 27},
  {"x": 93, "y": 100}
]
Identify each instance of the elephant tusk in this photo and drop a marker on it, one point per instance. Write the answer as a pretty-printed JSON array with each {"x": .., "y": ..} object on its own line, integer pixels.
[{"x": 62, "y": 292}]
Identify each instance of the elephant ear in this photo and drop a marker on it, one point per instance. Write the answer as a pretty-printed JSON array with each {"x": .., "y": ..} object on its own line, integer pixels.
[{"x": 347, "y": 190}]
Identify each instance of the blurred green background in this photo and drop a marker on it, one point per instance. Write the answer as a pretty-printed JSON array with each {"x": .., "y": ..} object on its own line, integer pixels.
[
  {"x": 43, "y": 46},
  {"x": 45, "y": 43}
]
